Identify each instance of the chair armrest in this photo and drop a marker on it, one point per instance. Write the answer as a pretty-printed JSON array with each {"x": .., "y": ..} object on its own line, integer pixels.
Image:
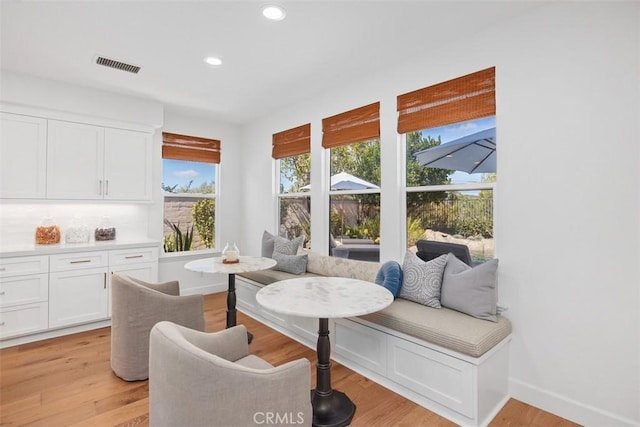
[
  {"x": 230, "y": 344},
  {"x": 186, "y": 310},
  {"x": 171, "y": 287}
]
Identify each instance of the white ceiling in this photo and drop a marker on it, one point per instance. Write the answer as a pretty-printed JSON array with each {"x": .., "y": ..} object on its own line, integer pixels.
[{"x": 266, "y": 65}]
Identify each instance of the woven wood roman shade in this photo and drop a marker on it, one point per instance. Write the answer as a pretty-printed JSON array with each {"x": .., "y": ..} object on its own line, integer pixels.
[
  {"x": 190, "y": 148},
  {"x": 465, "y": 98},
  {"x": 292, "y": 142},
  {"x": 357, "y": 125}
]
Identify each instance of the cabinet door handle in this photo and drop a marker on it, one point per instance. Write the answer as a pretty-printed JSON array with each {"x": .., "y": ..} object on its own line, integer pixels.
[
  {"x": 2, "y": 268},
  {"x": 105, "y": 280},
  {"x": 1, "y": 323},
  {"x": 106, "y": 186},
  {"x": 133, "y": 256},
  {"x": 100, "y": 187},
  {"x": 1, "y": 292},
  {"x": 82, "y": 261}
]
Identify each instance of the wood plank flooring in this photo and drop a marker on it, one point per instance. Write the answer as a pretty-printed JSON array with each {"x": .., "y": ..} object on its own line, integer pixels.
[{"x": 68, "y": 381}]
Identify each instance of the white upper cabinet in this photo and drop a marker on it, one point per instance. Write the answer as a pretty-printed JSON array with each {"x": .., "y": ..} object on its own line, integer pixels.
[
  {"x": 91, "y": 162},
  {"x": 75, "y": 161},
  {"x": 127, "y": 165},
  {"x": 23, "y": 157}
]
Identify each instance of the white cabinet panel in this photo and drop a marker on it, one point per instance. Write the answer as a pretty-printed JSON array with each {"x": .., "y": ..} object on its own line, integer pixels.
[
  {"x": 361, "y": 344},
  {"x": 78, "y": 296},
  {"x": 23, "y": 319},
  {"x": 436, "y": 376},
  {"x": 127, "y": 165},
  {"x": 78, "y": 261},
  {"x": 132, "y": 256},
  {"x": 23, "y": 156},
  {"x": 20, "y": 266},
  {"x": 24, "y": 289},
  {"x": 75, "y": 155}
]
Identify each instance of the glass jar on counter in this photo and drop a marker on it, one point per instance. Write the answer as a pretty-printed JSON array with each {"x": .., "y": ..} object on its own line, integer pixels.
[
  {"x": 105, "y": 230},
  {"x": 47, "y": 232},
  {"x": 77, "y": 231}
]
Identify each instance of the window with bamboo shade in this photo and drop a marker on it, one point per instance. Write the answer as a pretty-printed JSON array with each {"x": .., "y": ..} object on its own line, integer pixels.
[
  {"x": 360, "y": 124},
  {"x": 189, "y": 175},
  {"x": 461, "y": 99},
  {"x": 450, "y": 133},
  {"x": 190, "y": 148},
  {"x": 291, "y": 142},
  {"x": 292, "y": 149},
  {"x": 353, "y": 138}
]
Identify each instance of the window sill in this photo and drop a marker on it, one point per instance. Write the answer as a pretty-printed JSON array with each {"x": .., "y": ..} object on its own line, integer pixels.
[{"x": 188, "y": 255}]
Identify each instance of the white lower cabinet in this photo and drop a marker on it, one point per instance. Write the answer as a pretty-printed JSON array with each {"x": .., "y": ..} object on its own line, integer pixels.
[
  {"x": 46, "y": 293},
  {"x": 24, "y": 294},
  {"x": 78, "y": 296}
]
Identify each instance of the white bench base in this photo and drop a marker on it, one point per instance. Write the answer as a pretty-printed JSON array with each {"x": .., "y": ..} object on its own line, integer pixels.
[{"x": 466, "y": 390}]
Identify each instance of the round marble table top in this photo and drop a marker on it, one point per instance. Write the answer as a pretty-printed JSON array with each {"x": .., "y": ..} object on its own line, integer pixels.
[
  {"x": 215, "y": 265},
  {"x": 324, "y": 297}
]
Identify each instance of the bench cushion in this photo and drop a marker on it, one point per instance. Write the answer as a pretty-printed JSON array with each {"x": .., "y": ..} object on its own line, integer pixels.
[{"x": 447, "y": 328}]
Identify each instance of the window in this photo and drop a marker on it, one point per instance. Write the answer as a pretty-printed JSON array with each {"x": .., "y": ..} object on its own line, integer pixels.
[
  {"x": 291, "y": 148},
  {"x": 353, "y": 138},
  {"x": 449, "y": 132},
  {"x": 189, "y": 176}
]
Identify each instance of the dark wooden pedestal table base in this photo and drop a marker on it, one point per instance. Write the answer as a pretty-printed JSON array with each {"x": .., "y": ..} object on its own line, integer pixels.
[
  {"x": 324, "y": 298},
  {"x": 215, "y": 265},
  {"x": 231, "y": 305},
  {"x": 331, "y": 408}
]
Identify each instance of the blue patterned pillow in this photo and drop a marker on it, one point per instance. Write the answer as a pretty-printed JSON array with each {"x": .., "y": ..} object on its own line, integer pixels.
[
  {"x": 390, "y": 276},
  {"x": 422, "y": 280}
]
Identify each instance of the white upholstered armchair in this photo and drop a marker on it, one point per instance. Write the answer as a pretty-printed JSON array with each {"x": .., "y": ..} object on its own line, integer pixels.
[
  {"x": 209, "y": 379},
  {"x": 135, "y": 307}
]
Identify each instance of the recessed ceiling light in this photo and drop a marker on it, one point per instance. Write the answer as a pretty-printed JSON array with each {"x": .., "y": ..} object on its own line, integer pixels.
[
  {"x": 273, "y": 12},
  {"x": 212, "y": 60}
]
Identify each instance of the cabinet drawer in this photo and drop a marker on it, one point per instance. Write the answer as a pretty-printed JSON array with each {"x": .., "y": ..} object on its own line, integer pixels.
[
  {"x": 24, "y": 290},
  {"x": 131, "y": 256},
  {"x": 78, "y": 261},
  {"x": 23, "y": 319},
  {"x": 23, "y": 265}
]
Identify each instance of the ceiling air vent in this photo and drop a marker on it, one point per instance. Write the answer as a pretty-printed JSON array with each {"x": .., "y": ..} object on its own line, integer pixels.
[{"x": 111, "y": 63}]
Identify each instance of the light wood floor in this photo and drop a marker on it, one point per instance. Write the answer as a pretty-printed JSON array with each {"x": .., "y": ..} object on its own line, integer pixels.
[{"x": 67, "y": 381}]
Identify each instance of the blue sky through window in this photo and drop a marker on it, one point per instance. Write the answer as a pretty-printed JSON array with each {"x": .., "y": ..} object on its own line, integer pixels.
[{"x": 180, "y": 172}]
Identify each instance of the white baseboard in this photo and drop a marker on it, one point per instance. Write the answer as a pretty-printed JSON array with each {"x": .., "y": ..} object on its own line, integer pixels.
[
  {"x": 565, "y": 407},
  {"x": 54, "y": 333}
]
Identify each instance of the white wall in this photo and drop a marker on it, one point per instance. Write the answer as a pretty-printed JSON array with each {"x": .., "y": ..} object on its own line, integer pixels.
[
  {"x": 91, "y": 104},
  {"x": 567, "y": 203}
]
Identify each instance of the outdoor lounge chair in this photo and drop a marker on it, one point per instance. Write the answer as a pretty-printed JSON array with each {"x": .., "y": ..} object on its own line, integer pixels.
[{"x": 429, "y": 249}]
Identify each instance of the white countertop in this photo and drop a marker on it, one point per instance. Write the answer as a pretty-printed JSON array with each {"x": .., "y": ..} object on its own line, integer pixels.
[
  {"x": 28, "y": 249},
  {"x": 324, "y": 297}
]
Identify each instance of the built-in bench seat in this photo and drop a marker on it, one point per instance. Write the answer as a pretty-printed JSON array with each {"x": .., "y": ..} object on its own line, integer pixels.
[{"x": 451, "y": 363}]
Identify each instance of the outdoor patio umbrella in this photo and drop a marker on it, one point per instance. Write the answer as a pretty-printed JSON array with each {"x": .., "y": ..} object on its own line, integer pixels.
[
  {"x": 346, "y": 181},
  {"x": 475, "y": 153}
]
